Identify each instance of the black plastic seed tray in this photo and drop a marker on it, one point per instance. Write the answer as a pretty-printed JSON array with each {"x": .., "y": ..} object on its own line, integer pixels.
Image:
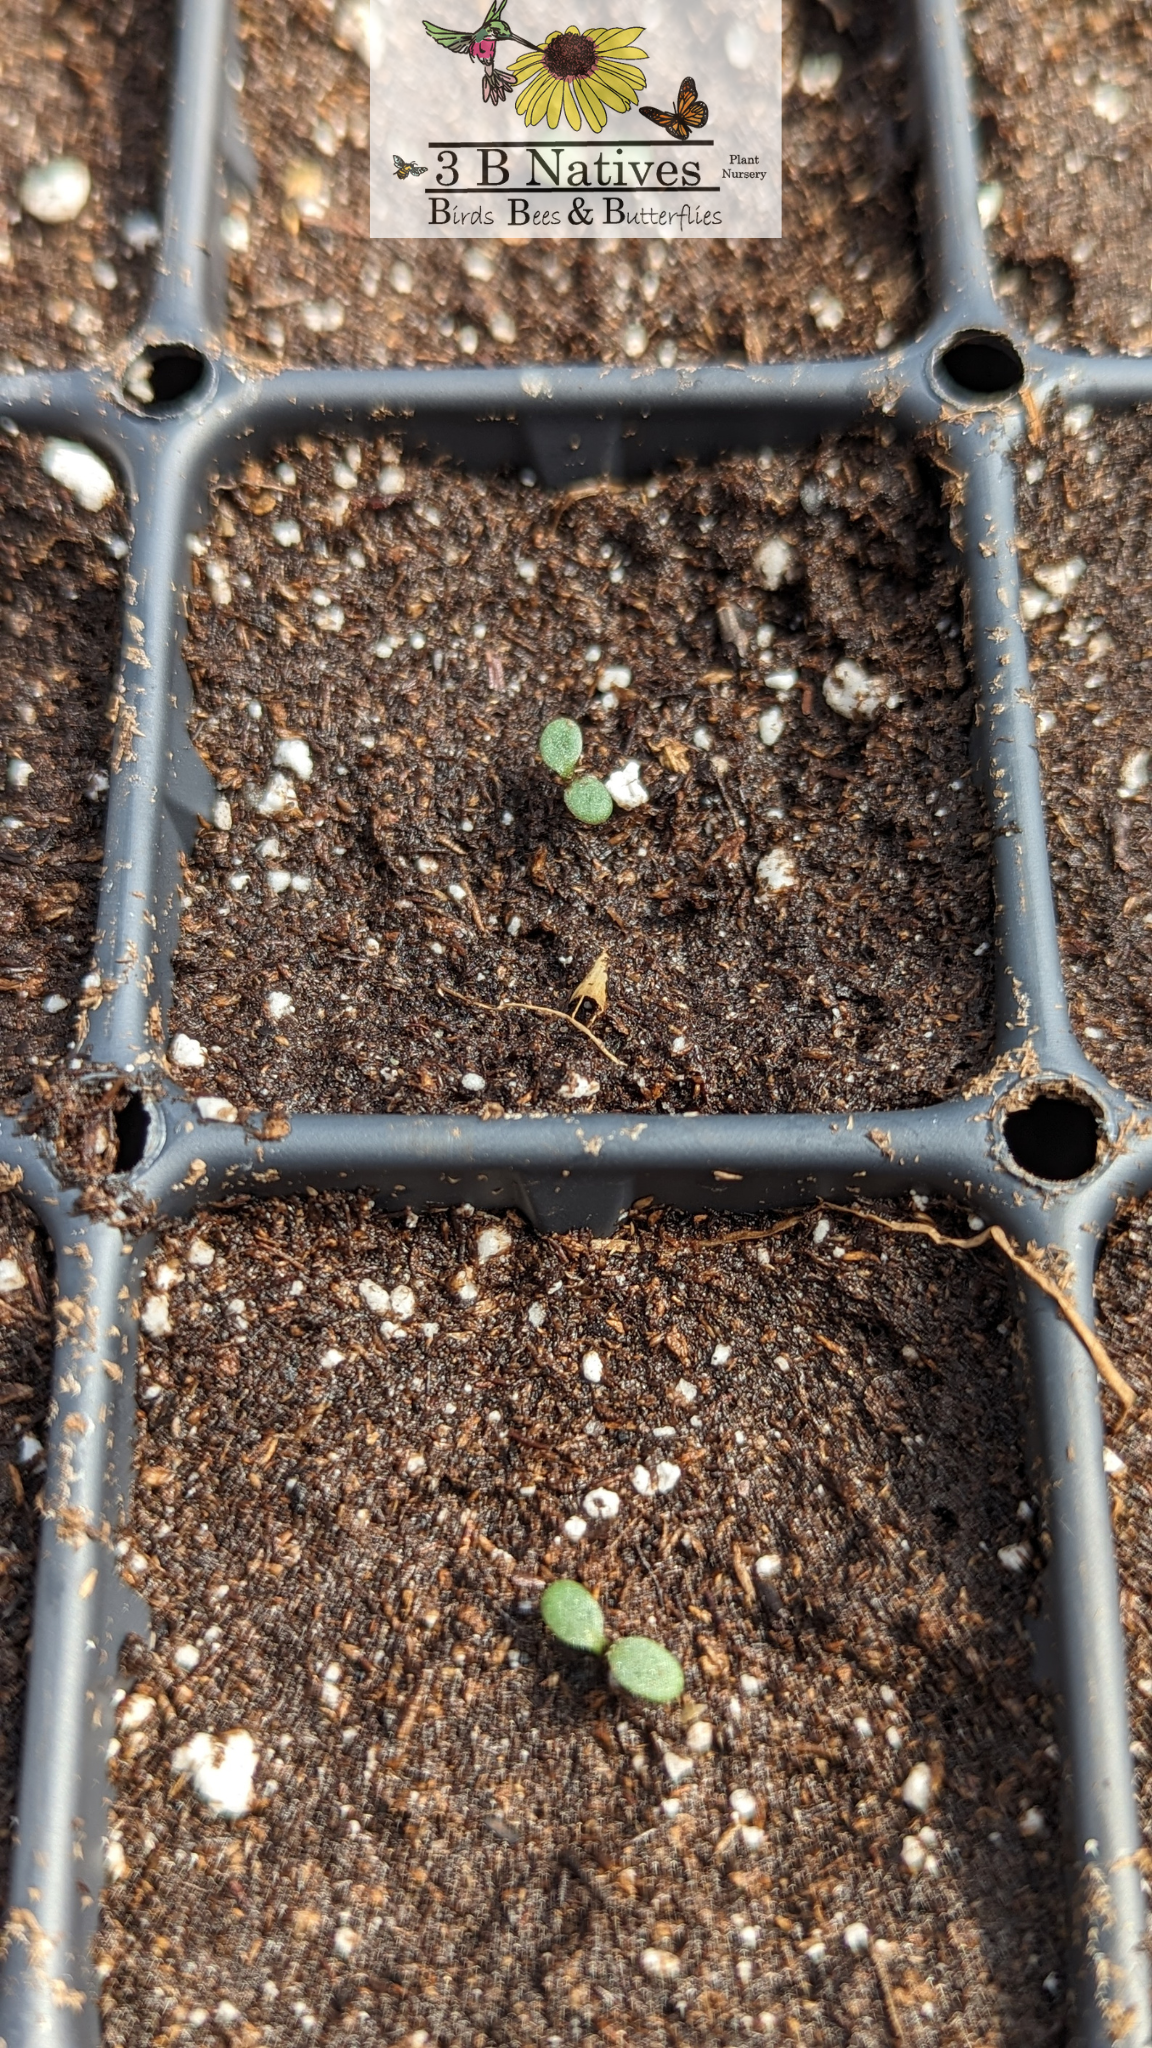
[{"x": 1045, "y": 1146}]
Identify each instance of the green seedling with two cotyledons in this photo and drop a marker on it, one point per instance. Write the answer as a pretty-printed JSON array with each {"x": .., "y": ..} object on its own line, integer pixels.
[
  {"x": 561, "y": 750},
  {"x": 636, "y": 1663}
]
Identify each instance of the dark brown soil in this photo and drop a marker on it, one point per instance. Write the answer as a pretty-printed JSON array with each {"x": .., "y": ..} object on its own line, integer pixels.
[
  {"x": 85, "y": 78},
  {"x": 458, "y": 1832},
  {"x": 442, "y": 871},
  {"x": 1122, "y": 1292},
  {"x": 1066, "y": 96},
  {"x": 59, "y": 642},
  {"x": 25, "y": 1378},
  {"x": 845, "y": 278},
  {"x": 1092, "y": 661}
]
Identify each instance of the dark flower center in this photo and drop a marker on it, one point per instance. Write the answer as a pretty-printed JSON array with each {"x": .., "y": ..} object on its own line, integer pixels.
[{"x": 570, "y": 56}]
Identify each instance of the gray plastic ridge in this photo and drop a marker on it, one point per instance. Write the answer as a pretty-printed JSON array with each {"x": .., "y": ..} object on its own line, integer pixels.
[
  {"x": 1032, "y": 1008},
  {"x": 567, "y": 422}
]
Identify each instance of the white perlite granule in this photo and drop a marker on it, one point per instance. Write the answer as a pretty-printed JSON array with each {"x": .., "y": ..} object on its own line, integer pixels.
[
  {"x": 56, "y": 192},
  {"x": 221, "y": 1769},
  {"x": 79, "y": 472}
]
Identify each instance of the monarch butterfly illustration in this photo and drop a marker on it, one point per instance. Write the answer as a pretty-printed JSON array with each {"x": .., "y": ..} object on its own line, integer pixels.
[
  {"x": 690, "y": 113},
  {"x": 404, "y": 170}
]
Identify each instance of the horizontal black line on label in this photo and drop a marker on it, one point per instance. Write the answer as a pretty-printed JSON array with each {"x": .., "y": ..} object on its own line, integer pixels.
[
  {"x": 558, "y": 193},
  {"x": 643, "y": 142}
]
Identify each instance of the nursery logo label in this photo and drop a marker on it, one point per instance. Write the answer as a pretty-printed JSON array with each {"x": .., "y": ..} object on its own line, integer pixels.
[{"x": 523, "y": 126}]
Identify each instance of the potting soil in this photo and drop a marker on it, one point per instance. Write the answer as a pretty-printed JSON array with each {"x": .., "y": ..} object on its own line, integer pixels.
[
  {"x": 1066, "y": 101},
  {"x": 85, "y": 82},
  {"x": 1086, "y": 502},
  {"x": 25, "y": 1385},
  {"x": 59, "y": 641},
  {"x": 795, "y": 912},
  {"x": 792, "y": 1458},
  {"x": 307, "y": 286}
]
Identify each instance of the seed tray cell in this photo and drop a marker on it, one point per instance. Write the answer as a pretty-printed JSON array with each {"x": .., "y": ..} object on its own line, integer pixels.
[
  {"x": 85, "y": 82},
  {"x": 25, "y": 1388},
  {"x": 845, "y": 280},
  {"x": 1122, "y": 1290},
  {"x": 1041, "y": 1143},
  {"x": 1066, "y": 107},
  {"x": 59, "y": 638},
  {"x": 503, "y": 1855},
  {"x": 1092, "y": 662},
  {"x": 428, "y": 868}
]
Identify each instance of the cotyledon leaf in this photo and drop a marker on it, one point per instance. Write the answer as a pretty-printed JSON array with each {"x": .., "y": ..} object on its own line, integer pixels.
[
  {"x": 646, "y": 1669},
  {"x": 569, "y": 1610}
]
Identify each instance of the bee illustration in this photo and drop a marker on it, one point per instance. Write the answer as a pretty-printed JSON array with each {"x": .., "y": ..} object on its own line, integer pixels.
[
  {"x": 690, "y": 113},
  {"x": 404, "y": 170}
]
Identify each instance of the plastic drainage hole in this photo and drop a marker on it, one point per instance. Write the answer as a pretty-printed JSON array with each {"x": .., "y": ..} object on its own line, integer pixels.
[
  {"x": 1054, "y": 1138},
  {"x": 983, "y": 365},
  {"x": 164, "y": 376},
  {"x": 131, "y": 1122}
]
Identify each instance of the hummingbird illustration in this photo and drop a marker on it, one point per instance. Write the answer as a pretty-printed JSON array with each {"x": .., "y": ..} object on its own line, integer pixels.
[{"x": 480, "y": 46}]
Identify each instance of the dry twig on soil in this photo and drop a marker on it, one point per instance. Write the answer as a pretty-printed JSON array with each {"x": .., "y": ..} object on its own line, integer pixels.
[
  {"x": 538, "y": 1010},
  {"x": 1108, "y": 1372},
  {"x": 891, "y": 2008}
]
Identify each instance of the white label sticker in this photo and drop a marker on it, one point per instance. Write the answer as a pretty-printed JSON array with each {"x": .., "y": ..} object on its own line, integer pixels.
[{"x": 527, "y": 127}]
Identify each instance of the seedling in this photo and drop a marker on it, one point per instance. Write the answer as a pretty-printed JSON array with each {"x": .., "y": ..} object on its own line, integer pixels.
[
  {"x": 561, "y": 749},
  {"x": 637, "y": 1664}
]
